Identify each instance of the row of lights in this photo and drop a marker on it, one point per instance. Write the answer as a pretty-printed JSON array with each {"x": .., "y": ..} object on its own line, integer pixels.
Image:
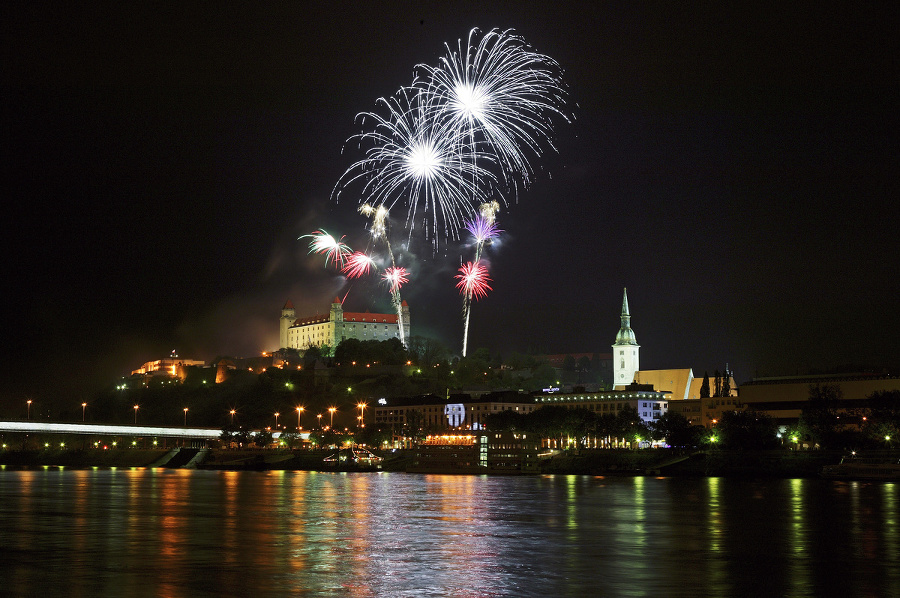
[{"x": 331, "y": 410}]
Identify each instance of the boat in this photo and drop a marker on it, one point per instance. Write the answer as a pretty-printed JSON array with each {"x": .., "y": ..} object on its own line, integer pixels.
[
  {"x": 860, "y": 468},
  {"x": 355, "y": 457}
]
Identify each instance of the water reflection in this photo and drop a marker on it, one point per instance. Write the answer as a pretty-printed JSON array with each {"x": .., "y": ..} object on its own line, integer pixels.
[{"x": 144, "y": 532}]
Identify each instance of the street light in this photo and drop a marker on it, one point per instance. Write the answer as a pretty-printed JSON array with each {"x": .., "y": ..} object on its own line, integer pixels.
[
  {"x": 331, "y": 410},
  {"x": 83, "y": 407},
  {"x": 232, "y": 416},
  {"x": 362, "y": 413},
  {"x": 276, "y": 419},
  {"x": 135, "y": 413},
  {"x": 300, "y": 411},
  {"x": 185, "y": 416},
  {"x": 29, "y": 408},
  {"x": 320, "y": 420}
]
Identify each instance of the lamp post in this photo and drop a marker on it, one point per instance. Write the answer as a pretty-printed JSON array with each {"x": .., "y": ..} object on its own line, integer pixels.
[
  {"x": 185, "y": 416},
  {"x": 362, "y": 413},
  {"x": 136, "y": 407},
  {"x": 29, "y": 408},
  {"x": 232, "y": 416},
  {"x": 276, "y": 419},
  {"x": 83, "y": 407},
  {"x": 319, "y": 416},
  {"x": 300, "y": 411},
  {"x": 331, "y": 410}
]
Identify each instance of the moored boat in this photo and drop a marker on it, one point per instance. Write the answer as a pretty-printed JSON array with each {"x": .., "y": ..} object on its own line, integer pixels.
[{"x": 856, "y": 468}]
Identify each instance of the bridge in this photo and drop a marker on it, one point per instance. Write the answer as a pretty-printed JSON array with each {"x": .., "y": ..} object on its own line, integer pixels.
[
  {"x": 175, "y": 432},
  {"x": 110, "y": 430}
]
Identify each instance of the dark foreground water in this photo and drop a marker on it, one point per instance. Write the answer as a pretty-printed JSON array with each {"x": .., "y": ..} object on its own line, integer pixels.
[{"x": 171, "y": 533}]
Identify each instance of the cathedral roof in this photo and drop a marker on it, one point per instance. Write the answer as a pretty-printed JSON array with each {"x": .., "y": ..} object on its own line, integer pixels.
[
  {"x": 626, "y": 334},
  {"x": 288, "y": 305}
]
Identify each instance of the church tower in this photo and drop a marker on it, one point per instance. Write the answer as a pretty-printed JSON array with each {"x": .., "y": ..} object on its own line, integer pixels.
[
  {"x": 625, "y": 351},
  {"x": 287, "y": 318}
]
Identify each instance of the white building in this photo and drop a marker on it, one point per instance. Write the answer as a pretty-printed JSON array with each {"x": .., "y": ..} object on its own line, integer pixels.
[{"x": 337, "y": 325}]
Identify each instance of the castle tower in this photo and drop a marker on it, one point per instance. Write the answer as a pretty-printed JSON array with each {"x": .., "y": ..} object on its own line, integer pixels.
[
  {"x": 336, "y": 317},
  {"x": 404, "y": 309},
  {"x": 625, "y": 350},
  {"x": 287, "y": 318}
]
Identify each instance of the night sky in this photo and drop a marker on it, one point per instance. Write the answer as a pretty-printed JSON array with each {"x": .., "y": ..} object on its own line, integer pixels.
[{"x": 735, "y": 167}]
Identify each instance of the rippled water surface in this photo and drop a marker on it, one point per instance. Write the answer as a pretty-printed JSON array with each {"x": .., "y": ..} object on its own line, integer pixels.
[{"x": 174, "y": 533}]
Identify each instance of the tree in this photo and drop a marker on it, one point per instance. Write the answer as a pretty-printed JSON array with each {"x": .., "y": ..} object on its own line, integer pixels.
[
  {"x": 630, "y": 426},
  {"x": 290, "y": 439},
  {"x": 704, "y": 388},
  {"x": 263, "y": 438},
  {"x": 726, "y": 384},
  {"x": 819, "y": 415},
  {"x": 718, "y": 383},
  {"x": 568, "y": 363},
  {"x": 675, "y": 429},
  {"x": 750, "y": 430}
]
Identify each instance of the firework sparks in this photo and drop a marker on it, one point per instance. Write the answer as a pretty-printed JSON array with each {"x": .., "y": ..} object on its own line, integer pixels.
[
  {"x": 334, "y": 250},
  {"x": 396, "y": 276},
  {"x": 358, "y": 265},
  {"x": 419, "y": 161},
  {"x": 482, "y": 230},
  {"x": 379, "y": 217},
  {"x": 499, "y": 94},
  {"x": 473, "y": 280},
  {"x": 488, "y": 210}
]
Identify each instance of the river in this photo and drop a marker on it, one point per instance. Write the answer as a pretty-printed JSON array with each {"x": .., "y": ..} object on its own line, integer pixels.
[{"x": 182, "y": 533}]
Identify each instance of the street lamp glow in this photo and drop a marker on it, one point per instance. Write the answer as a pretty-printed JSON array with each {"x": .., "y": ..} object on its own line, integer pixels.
[
  {"x": 136, "y": 407},
  {"x": 276, "y": 419},
  {"x": 29, "y": 408},
  {"x": 83, "y": 407},
  {"x": 185, "y": 416},
  {"x": 331, "y": 411},
  {"x": 300, "y": 411},
  {"x": 232, "y": 416}
]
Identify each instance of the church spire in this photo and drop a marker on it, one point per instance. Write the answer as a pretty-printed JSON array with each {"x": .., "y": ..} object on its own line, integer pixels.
[{"x": 626, "y": 334}]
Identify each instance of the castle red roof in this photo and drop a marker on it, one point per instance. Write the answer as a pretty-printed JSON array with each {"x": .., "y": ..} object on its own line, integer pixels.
[{"x": 350, "y": 316}]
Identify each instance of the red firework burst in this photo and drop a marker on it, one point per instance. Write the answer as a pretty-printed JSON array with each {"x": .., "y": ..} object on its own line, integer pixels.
[{"x": 473, "y": 280}]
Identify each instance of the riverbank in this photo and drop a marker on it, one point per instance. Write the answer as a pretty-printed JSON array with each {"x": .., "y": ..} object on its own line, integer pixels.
[{"x": 757, "y": 464}]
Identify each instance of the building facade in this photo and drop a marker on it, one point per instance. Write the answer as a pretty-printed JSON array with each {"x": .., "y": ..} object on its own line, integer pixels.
[
  {"x": 456, "y": 412},
  {"x": 650, "y": 404},
  {"x": 337, "y": 325}
]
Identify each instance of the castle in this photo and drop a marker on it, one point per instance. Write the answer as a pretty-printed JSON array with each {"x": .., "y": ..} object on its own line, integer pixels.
[{"x": 337, "y": 325}]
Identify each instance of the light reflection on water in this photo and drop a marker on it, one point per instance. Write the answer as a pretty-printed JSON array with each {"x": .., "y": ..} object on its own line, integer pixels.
[{"x": 179, "y": 533}]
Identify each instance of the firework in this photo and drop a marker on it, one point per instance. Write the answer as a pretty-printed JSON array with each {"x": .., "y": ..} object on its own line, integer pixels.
[
  {"x": 500, "y": 95},
  {"x": 396, "y": 277},
  {"x": 482, "y": 230},
  {"x": 358, "y": 265},
  {"x": 473, "y": 280},
  {"x": 379, "y": 217},
  {"x": 334, "y": 250},
  {"x": 488, "y": 210},
  {"x": 418, "y": 161}
]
